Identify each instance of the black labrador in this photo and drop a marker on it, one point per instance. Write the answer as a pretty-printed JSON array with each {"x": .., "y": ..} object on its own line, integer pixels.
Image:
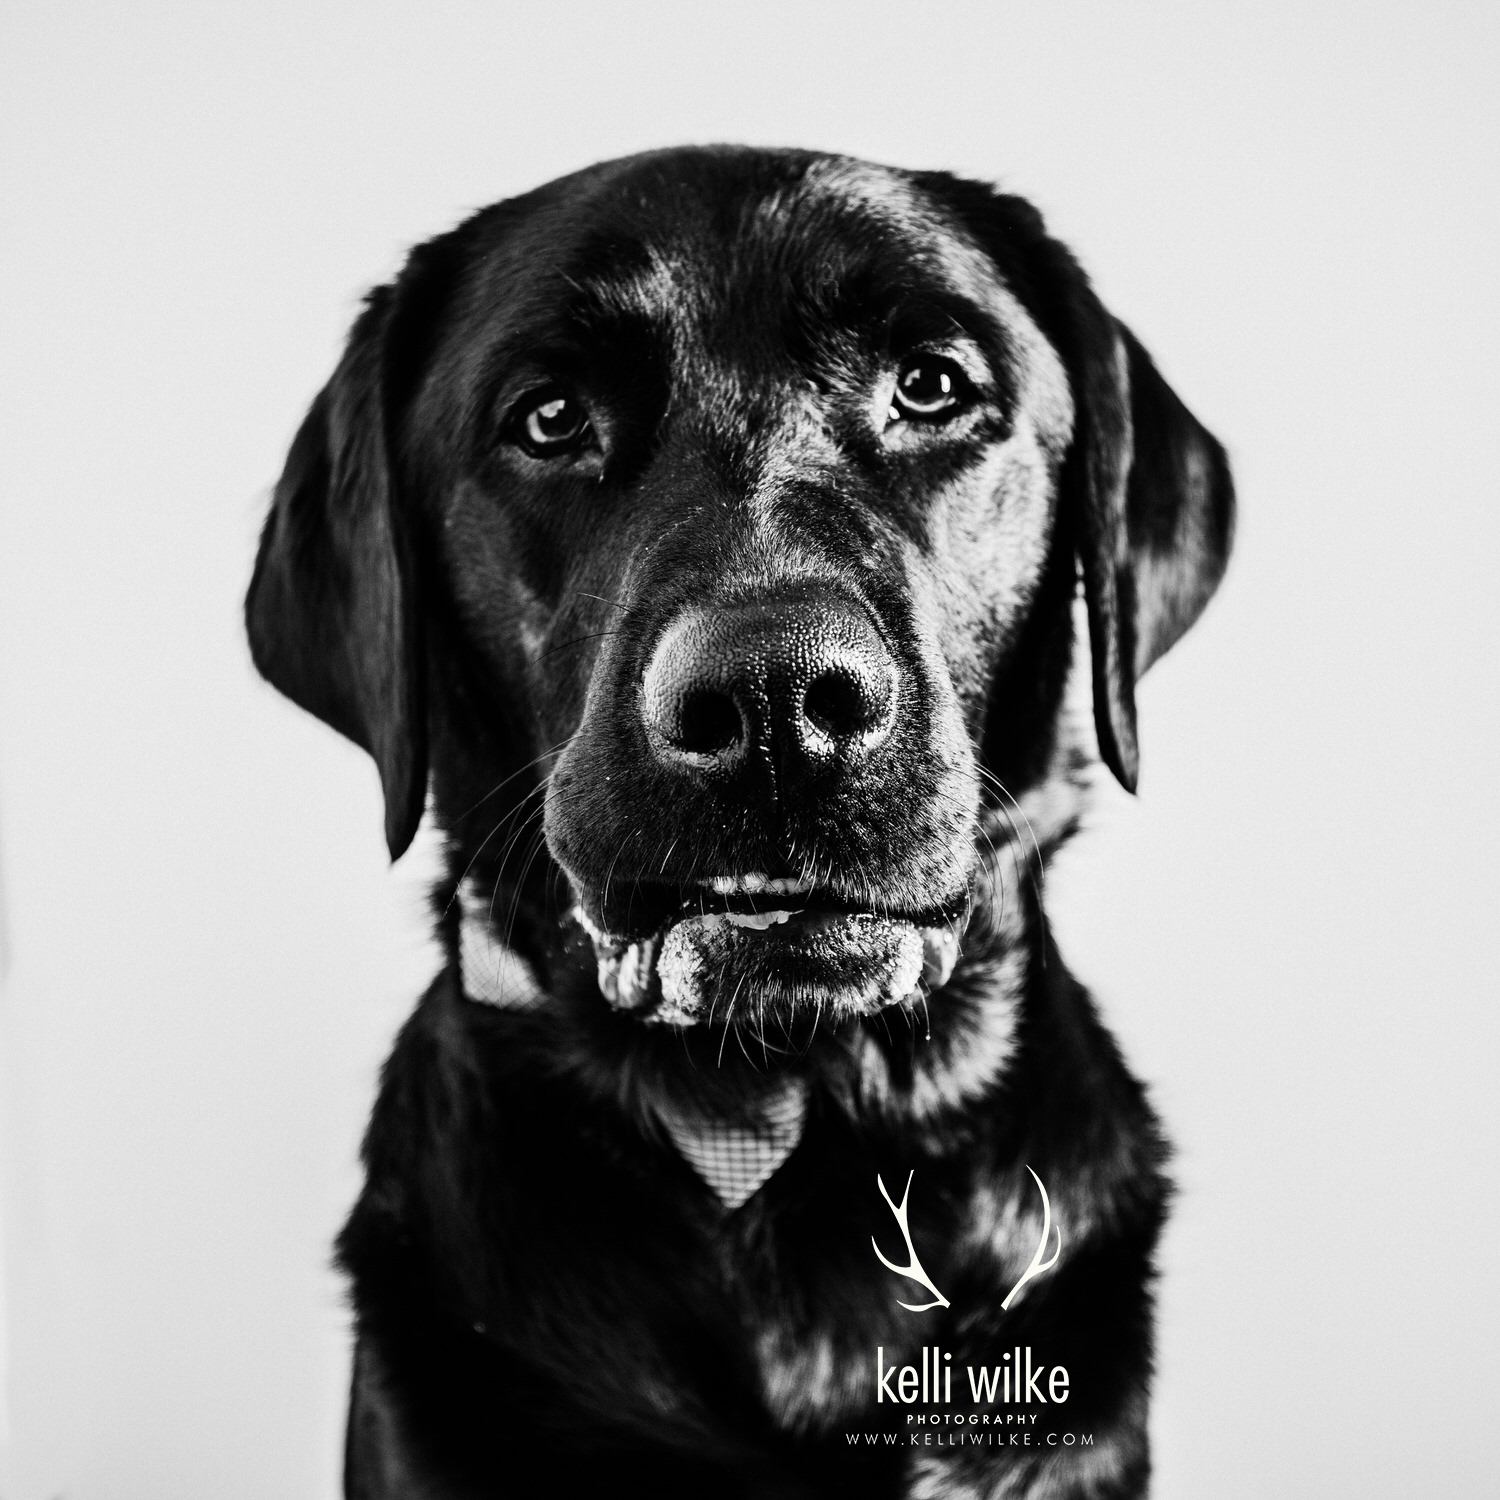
[{"x": 696, "y": 538}]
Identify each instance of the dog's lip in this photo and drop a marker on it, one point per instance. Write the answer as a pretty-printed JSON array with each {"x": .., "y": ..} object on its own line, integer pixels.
[
  {"x": 627, "y": 964},
  {"x": 633, "y": 910}
]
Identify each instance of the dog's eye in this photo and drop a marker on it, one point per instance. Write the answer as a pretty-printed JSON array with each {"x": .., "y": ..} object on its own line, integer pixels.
[
  {"x": 927, "y": 386},
  {"x": 551, "y": 424}
]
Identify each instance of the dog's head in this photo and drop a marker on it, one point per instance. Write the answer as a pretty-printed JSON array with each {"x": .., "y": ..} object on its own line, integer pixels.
[{"x": 721, "y": 511}]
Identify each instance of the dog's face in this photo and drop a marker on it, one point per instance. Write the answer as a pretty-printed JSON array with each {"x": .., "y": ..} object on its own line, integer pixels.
[
  {"x": 763, "y": 470},
  {"x": 728, "y": 505}
]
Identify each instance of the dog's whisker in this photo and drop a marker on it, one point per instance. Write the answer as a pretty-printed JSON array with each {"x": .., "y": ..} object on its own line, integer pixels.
[
  {"x": 538, "y": 842},
  {"x": 993, "y": 780},
  {"x": 602, "y": 599},
  {"x": 1023, "y": 867},
  {"x": 990, "y": 871},
  {"x": 729, "y": 1018},
  {"x": 509, "y": 820},
  {"x": 577, "y": 640},
  {"x": 522, "y": 830},
  {"x": 739, "y": 1042},
  {"x": 817, "y": 1016},
  {"x": 500, "y": 786},
  {"x": 539, "y": 789},
  {"x": 620, "y": 848}
]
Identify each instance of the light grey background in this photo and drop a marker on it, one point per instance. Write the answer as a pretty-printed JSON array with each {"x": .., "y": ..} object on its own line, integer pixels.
[{"x": 1292, "y": 929}]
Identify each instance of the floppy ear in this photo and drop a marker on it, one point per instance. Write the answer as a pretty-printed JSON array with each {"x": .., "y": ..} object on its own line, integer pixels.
[
  {"x": 332, "y": 611},
  {"x": 1146, "y": 490},
  {"x": 1152, "y": 505}
]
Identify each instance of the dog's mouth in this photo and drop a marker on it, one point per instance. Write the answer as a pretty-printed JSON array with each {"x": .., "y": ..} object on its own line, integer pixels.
[{"x": 751, "y": 948}]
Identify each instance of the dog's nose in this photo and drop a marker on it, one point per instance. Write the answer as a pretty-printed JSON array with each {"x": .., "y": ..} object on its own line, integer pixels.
[{"x": 803, "y": 679}]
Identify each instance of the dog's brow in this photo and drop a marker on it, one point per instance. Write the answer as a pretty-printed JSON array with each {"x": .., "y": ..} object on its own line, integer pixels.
[{"x": 613, "y": 278}]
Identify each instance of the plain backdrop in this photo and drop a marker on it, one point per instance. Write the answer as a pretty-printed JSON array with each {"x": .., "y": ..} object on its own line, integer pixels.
[{"x": 1292, "y": 929}]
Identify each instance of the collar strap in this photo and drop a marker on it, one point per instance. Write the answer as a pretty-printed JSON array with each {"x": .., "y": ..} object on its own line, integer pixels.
[{"x": 492, "y": 973}]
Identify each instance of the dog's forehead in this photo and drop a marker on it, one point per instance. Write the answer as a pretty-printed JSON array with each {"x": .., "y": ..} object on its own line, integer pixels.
[
  {"x": 685, "y": 239},
  {"x": 680, "y": 241}
]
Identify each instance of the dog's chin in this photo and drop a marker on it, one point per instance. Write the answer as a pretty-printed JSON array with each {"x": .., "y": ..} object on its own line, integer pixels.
[{"x": 775, "y": 965}]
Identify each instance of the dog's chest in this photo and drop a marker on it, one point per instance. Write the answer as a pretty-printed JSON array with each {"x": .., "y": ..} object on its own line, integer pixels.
[
  {"x": 810, "y": 1378},
  {"x": 812, "y": 1305}
]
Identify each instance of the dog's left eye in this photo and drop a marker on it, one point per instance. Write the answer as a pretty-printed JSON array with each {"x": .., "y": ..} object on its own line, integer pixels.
[
  {"x": 927, "y": 386},
  {"x": 551, "y": 424}
]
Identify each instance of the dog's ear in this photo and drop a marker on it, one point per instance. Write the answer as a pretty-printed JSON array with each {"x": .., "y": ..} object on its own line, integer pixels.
[
  {"x": 1151, "y": 502},
  {"x": 332, "y": 611},
  {"x": 1146, "y": 490}
]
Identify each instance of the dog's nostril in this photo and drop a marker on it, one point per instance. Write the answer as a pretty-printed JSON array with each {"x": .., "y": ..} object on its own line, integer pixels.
[
  {"x": 708, "y": 722},
  {"x": 836, "y": 704},
  {"x": 784, "y": 684}
]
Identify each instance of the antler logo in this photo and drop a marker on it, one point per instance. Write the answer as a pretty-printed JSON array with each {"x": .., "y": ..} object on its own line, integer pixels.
[
  {"x": 913, "y": 1267},
  {"x": 1038, "y": 1265}
]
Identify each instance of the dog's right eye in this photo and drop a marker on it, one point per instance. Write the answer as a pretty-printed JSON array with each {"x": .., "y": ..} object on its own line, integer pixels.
[
  {"x": 928, "y": 388},
  {"x": 551, "y": 424}
]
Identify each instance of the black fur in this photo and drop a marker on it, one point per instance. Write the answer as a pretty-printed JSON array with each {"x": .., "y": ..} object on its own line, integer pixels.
[{"x": 548, "y": 1300}]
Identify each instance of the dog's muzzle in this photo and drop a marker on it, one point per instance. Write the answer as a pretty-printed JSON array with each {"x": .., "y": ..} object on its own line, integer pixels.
[{"x": 775, "y": 703}]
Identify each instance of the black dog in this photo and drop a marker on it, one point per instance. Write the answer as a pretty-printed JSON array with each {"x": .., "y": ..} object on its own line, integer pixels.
[{"x": 702, "y": 530}]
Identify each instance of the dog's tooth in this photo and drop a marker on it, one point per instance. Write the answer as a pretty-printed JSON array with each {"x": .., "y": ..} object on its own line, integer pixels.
[
  {"x": 755, "y": 883},
  {"x": 636, "y": 965},
  {"x": 625, "y": 973},
  {"x": 939, "y": 955},
  {"x": 609, "y": 975},
  {"x": 759, "y": 920},
  {"x": 597, "y": 935}
]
